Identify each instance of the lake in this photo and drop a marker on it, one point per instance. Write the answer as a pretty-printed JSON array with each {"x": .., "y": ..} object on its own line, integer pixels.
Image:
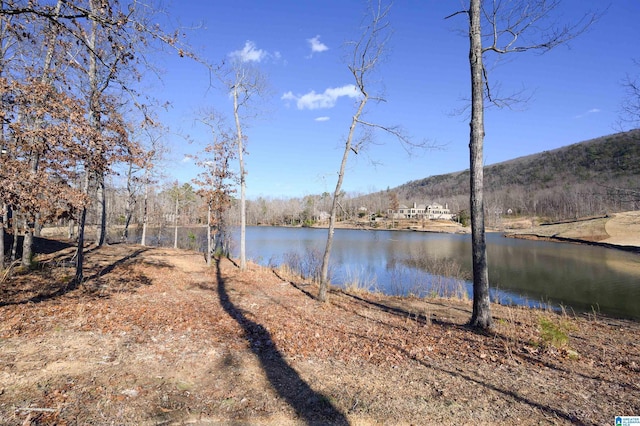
[
  {"x": 533, "y": 273},
  {"x": 523, "y": 272}
]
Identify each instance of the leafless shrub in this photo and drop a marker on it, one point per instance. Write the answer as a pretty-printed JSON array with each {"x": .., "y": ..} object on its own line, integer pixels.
[
  {"x": 307, "y": 265},
  {"x": 445, "y": 277},
  {"x": 359, "y": 281}
]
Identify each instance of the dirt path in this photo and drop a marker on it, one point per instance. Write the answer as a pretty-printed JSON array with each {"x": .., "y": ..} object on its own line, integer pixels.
[
  {"x": 619, "y": 230},
  {"x": 624, "y": 229},
  {"x": 155, "y": 337}
]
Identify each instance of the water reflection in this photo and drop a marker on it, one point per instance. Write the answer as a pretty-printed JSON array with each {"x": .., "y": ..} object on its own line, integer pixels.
[{"x": 520, "y": 271}]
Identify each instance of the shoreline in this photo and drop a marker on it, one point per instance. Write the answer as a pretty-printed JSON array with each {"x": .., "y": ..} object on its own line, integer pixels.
[
  {"x": 619, "y": 231},
  {"x": 556, "y": 239}
]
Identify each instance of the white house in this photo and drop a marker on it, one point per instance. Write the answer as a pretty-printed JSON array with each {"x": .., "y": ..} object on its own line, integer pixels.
[
  {"x": 420, "y": 211},
  {"x": 437, "y": 211}
]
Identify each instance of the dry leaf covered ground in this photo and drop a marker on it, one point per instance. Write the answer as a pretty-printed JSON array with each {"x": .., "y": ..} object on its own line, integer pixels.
[{"x": 154, "y": 337}]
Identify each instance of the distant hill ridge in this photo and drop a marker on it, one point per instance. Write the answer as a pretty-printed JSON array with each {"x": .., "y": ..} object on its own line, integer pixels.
[{"x": 584, "y": 178}]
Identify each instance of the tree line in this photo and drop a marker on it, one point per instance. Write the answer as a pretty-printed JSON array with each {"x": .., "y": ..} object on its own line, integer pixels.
[{"x": 192, "y": 210}]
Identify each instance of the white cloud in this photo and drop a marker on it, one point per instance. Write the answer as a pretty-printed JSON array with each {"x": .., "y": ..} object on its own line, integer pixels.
[
  {"x": 316, "y": 45},
  {"x": 325, "y": 118},
  {"x": 327, "y": 99},
  {"x": 591, "y": 111},
  {"x": 289, "y": 96},
  {"x": 249, "y": 53},
  {"x": 186, "y": 159}
]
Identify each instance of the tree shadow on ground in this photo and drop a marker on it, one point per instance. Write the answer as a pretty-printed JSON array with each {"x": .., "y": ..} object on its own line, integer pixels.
[
  {"x": 444, "y": 324},
  {"x": 40, "y": 245},
  {"x": 421, "y": 319},
  {"x": 311, "y": 406},
  {"x": 496, "y": 336},
  {"x": 556, "y": 412},
  {"x": 296, "y": 285},
  {"x": 111, "y": 266},
  {"x": 468, "y": 377},
  {"x": 47, "y": 245},
  {"x": 393, "y": 310},
  {"x": 42, "y": 285}
]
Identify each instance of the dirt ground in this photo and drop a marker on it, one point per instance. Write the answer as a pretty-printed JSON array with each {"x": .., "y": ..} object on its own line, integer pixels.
[
  {"x": 618, "y": 229},
  {"x": 154, "y": 337},
  {"x": 623, "y": 229}
]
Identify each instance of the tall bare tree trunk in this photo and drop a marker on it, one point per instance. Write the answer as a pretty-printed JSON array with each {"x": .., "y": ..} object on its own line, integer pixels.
[
  {"x": 94, "y": 110},
  {"x": 102, "y": 210},
  {"x": 2, "y": 234},
  {"x": 243, "y": 183},
  {"x": 175, "y": 221},
  {"x": 94, "y": 116},
  {"x": 324, "y": 273},
  {"x": 81, "y": 225},
  {"x": 209, "y": 245},
  {"x": 3, "y": 151},
  {"x": 130, "y": 203},
  {"x": 481, "y": 316},
  {"x": 367, "y": 51},
  {"x": 145, "y": 203}
]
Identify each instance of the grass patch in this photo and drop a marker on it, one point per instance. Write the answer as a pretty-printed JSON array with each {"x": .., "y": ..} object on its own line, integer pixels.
[
  {"x": 359, "y": 281},
  {"x": 552, "y": 334}
]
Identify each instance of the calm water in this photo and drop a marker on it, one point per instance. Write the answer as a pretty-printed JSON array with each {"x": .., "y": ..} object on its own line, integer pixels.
[{"x": 580, "y": 277}]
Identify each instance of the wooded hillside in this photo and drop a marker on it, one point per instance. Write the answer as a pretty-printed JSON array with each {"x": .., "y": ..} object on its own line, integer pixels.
[{"x": 591, "y": 177}]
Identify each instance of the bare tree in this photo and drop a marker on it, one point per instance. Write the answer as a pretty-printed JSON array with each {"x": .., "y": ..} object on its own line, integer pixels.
[
  {"x": 245, "y": 84},
  {"x": 394, "y": 205},
  {"x": 154, "y": 148},
  {"x": 366, "y": 55},
  {"x": 630, "y": 108},
  {"x": 181, "y": 196},
  {"x": 500, "y": 27},
  {"x": 216, "y": 181}
]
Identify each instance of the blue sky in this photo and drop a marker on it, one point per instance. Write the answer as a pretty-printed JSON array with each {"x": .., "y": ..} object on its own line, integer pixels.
[{"x": 295, "y": 145}]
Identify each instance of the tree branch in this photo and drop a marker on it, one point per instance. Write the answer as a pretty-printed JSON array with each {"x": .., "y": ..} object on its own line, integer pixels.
[
  {"x": 460, "y": 12},
  {"x": 506, "y": 25}
]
